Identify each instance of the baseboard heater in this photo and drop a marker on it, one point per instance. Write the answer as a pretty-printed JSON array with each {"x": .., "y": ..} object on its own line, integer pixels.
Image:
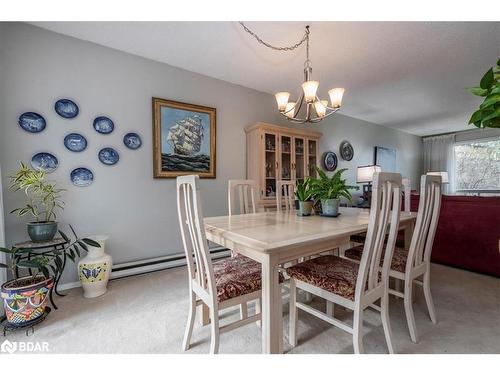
[{"x": 145, "y": 266}]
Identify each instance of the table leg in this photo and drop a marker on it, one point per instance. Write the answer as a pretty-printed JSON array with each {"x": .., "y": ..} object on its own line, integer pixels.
[
  {"x": 272, "y": 315},
  {"x": 204, "y": 314}
]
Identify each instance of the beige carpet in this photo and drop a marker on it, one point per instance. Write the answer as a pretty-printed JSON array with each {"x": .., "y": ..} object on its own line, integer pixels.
[{"x": 147, "y": 314}]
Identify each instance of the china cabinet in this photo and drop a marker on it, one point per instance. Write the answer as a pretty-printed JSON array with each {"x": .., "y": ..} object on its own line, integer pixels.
[{"x": 279, "y": 153}]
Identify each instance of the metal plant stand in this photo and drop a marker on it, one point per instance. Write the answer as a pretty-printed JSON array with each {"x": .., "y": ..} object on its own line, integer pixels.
[
  {"x": 57, "y": 243},
  {"x": 29, "y": 327}
]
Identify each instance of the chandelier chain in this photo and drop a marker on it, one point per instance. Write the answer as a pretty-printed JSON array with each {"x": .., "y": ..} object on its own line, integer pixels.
[{"x": 305, "y": 38}]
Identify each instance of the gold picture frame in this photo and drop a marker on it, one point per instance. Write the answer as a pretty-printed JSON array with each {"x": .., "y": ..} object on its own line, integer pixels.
[{"x": 184, "y": 139}]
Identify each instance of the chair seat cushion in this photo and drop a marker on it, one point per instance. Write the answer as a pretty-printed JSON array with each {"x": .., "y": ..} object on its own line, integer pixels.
[
  {"x": 399, "y": 257},
  {"x": 237, "y": 276},
  {"x": 328, "y": 272},
  {"x": 361, "y": 238}
]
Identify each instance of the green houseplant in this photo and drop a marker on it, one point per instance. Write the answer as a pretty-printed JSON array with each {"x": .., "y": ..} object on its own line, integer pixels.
[
  {"x": 42, "y": 201},
  {"x": 25, "y": 297},
  {"x": 304, "y": 196},
  {"x": 488, "y": 113},
  {"x": 329, "y": 190}
]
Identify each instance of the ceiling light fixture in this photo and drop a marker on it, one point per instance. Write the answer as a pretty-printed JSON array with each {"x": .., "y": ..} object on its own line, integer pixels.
[{"x": 309, "y": 105}]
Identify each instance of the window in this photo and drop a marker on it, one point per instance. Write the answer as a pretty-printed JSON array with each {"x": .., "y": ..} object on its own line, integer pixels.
[{"x": 477, "y": 165}]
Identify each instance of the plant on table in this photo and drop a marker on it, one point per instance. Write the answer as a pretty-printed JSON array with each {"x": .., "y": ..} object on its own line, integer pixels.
[
  {"x": 303, "y": 194},
  {"x": 488, "y": 113}
]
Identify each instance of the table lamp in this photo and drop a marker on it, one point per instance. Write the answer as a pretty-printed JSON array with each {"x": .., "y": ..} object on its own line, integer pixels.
[{"x": 364, "y": 175}]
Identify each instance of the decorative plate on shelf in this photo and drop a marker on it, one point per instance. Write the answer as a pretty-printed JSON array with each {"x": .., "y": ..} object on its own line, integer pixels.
[
  {"x": 346, "y": 150},
  {"x": 108, "y": 156},
  {"x": 32, "y": 122},
  {"x": 44, "y": 161},
  {"x": 66, "y": 108},
  {"x": 75, "y": 142},
  {"x": 82, "y": 177},
  {"x": 330, "y": 161},
  {"x": 132, "y": 141},
  {"x": 103, "y": 125}
]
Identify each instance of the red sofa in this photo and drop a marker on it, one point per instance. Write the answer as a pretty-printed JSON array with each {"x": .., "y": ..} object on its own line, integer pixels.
[{"x": 468, "y": 233}]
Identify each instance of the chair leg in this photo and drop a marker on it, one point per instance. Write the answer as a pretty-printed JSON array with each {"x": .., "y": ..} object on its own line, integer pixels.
[
  {"x": 397, "y": 286},
  {"x": 214, "y": 330},
  {"x": 258, "y": 310},
  {"x": 292, "y": 335},
  {"x": 330, "y": 308},
  {"x": 410, "y": 317},
  {"x": 428, "y": 296},
  {"x": 189, "y": 327},
  {"x": 384, "y": 312},
  {"x": 243, "y": 311},
  {"x": 357, "y": 335}
]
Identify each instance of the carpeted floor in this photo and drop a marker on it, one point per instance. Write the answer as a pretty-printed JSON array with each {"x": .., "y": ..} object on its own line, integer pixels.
[{"x": 147, "y": 314}]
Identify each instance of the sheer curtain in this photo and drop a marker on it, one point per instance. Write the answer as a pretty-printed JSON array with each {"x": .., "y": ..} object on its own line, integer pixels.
[{"x": 438, "y": 157}]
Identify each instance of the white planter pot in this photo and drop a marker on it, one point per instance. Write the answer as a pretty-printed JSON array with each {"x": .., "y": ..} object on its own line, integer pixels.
[{"x": 95, "y": 268}]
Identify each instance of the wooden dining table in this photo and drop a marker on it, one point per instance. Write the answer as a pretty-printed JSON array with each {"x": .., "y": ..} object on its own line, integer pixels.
[{"x": 274, "y": 238}]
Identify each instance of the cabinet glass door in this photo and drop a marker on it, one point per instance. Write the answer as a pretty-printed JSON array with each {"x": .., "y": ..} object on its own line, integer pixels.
[
  {"x": 299, "y": 162},
  {"x": 312, "y": 147},
  {"x": 271, "y": 165},
  {"x": 286, "y": 158}
]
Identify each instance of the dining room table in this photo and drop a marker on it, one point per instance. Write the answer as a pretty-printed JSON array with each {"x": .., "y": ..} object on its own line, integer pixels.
[{"x": 276, "y": 237}]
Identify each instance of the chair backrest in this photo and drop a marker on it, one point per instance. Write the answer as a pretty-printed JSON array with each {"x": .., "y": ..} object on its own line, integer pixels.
[
  {"x": 285, "y": 195},
  {"x": 407, "y": 194},
  {"x": 427, "y": 220},
  {"x": 245, "y": 189},
  {"x": 193, "y": 233},
  {"x": 385, "y": 208}
]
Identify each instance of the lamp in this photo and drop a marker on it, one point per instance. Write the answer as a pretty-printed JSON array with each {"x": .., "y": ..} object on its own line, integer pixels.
[
  {"x": 444, "y": 176},
  {"x": 364, "y": 174}
]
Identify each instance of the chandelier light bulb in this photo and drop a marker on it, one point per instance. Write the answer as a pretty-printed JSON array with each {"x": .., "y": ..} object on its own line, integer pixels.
[
  {"x": 282, "y": 100},
  {"x": 310, "y": 88},
  {"x": 336, "y": 96},
  {"x": 290, "y": 109},
  {"x": 320, "y": 107}
]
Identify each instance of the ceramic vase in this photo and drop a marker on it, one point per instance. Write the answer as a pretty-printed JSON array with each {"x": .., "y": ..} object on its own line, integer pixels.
[{"x": 95, "y": 268}]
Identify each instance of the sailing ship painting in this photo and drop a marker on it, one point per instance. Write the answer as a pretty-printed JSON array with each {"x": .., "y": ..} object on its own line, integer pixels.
[{"x": 184, "y": 139}]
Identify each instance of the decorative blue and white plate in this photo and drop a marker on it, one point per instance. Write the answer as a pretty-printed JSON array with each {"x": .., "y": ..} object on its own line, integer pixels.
[
  {"x": 75, "y": 142},
  {"x": 108, "y": 156},
  {"x": 103, "y": 125},
  {"x": 44, "y": 161},
  {"x": 32, "y": 122},
  {"x": 82, "y": 177},
  {"x": 132, "y": 141},
  {"x": 66, "y": 108}
]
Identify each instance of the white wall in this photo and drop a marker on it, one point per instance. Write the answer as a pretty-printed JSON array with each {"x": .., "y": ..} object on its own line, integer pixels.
[{"x": 37, "y": 67}]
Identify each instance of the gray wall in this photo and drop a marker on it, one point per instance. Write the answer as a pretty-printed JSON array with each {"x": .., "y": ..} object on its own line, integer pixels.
[{"x": 37, "y": 67}]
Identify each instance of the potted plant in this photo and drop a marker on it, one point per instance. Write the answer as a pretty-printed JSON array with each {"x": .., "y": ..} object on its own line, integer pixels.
[
  {"x": 488, "y": 113},
  {"x": 25, "y": 298},
  {"x": 42, "y": 201},
  {"x": 329, "y": 190},
  {"x": 304, "y": 196}
]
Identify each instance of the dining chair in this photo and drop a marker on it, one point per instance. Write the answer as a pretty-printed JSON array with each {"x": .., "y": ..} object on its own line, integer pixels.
[
  {"x": 245, "y": 190},
  {"x": 285, "y": 195},
  {"x": 355, "y": 286},
  {"x": 409, "y": 266},
  {"x": 218, "y": 285}
]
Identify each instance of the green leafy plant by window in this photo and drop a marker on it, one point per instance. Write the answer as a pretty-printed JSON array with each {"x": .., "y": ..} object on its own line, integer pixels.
[
  {"x": 488, "y": 114},
  {"x": 43, "y": 198},
  {"x": 333, "y": 187}
]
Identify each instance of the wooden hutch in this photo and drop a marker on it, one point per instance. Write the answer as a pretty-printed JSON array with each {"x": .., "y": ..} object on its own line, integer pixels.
[{"x": 279, "y": 153}]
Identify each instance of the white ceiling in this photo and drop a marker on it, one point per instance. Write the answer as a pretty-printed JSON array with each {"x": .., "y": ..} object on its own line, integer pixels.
[{"x": 406, "y": 75}]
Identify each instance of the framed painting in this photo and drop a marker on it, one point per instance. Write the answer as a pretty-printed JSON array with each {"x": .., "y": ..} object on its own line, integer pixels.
[
  {"x": 385, "y": 158},
  {"x": 184, "y": 139}
]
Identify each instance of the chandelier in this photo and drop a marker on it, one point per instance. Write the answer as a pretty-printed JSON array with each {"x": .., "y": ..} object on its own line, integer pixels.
[{"x": 309, "y": 108}]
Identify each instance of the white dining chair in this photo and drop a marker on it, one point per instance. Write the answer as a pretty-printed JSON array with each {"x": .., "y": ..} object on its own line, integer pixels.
[
  {"x": 409, "y": 266},
  {"x": 355, "y": 286},
  {"x": 285, "y": 196},
  {"x": 245, "y": 191},
  {"x": 218, "y": 285}
]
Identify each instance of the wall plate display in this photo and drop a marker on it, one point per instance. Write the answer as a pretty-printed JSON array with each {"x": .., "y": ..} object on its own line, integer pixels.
[
  {"x": 330, "y": 161},
  {"x": 103, "y": 125},
  {"x": 108, "y": 156},
  {"x": 346, "y": 150},
  {"x": 44, "y": 161},
  {"x": 32, "y": 122},
  {"x": 132, "y": 141},
  {"x": 82, "y": 176},
  {"x": 75, "y": 142},
  {"x": 66, "y": 108}
]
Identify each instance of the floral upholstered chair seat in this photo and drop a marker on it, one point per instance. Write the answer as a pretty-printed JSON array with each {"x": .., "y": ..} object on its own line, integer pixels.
[
  {"x": 361, "y": 238},
  {"x": 331, "y": 273},
  {"x": 399, "y": 257},
  {"x": 237, "y": 276}
]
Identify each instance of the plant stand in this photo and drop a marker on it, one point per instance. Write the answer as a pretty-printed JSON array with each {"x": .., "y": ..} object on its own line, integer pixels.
[{"x": 29, "y": 327}]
